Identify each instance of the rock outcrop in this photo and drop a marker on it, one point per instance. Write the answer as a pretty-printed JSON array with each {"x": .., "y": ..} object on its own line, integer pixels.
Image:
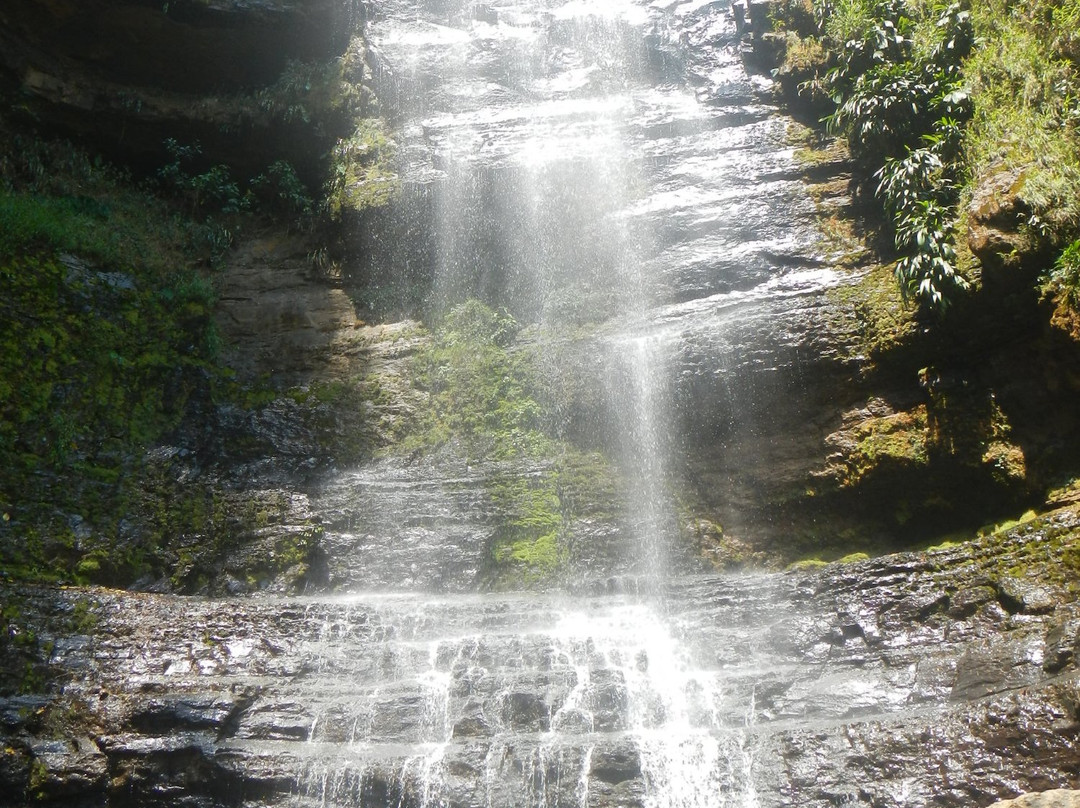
[
  {"x": 124, "y": 75},
  {"x": 1055, "y": 798}
]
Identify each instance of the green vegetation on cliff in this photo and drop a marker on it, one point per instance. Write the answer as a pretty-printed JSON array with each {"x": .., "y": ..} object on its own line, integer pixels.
[
  {"x": 945, "y": 106},
  {"x": 106, "y": 335},
  {"x": 483, "y": 400},
  {"x": 108, "y": 348}
]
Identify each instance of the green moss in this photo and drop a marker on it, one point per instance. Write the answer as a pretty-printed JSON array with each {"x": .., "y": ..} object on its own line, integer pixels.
[
  {"x": 83, "y": 618},
  {"x": 883, "y": 442},
  {"x": 103, "y": 373},
  {"x": 480, "y": 400},
  {"x": 481, "y": 393},
  {"x": 885, "y": 323},
  {"x": 807, "y": 564},
  {"x": 106, "y": 335},
  {"x": 945, "y": 545},
  {"x": 362, "y": 169},
  {"x": 1008, "y": 524},
  {"x": 483, "y": 400},
  {"x": 852, "y": 558},
  {"x": 37, "y": 780},
  {"x": 539, "y": 556},
  {"x": 528, "y": 538}
]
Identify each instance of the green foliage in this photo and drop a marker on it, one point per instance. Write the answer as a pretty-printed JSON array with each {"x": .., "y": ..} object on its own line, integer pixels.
[
  {"x": 796, "y": 16},
  {"x": 1026, "y": 91},
  {"x": 92, "y": 367},
  {"x": 279, "y": 191},
  {"x": 208, "y": 198},
  {"x": 304, "y": 92},
  {"x": 483, "y": 399},
  {"x": 844, "y": 21},
  {"x": 902, "y": 104},
  {"x": 362, "y": 169},
  {"x": 480, "y": 391},
  {"x": 928, "y": 273},
  {"x": 105, "y": 336},
  {"x": 900, "y": 98},
  {"x": 1065, "y": 276},
  {"x": 335, "y": 98},
  {"x": 54, "y": 197},
  {"x": 210, "y": 191},
  {"x": 215, "y": 200},
  {"x": 804, "y": 56}
]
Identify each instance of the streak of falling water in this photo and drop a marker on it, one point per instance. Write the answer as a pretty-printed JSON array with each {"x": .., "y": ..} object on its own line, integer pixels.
[
  {"x": 626, "y": 674},
  {"x": 640, "y": 407}
]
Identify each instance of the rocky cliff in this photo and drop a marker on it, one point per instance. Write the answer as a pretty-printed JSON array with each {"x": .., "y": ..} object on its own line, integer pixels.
[
  {"x": 124, "y": 76},
  {"x": 342, "y": 428}
]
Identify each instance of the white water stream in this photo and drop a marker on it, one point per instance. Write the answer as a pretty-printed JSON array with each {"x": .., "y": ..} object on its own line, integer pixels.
[
  {"x": 547, "y": 687},
  {"x": 562, "y": 164}
]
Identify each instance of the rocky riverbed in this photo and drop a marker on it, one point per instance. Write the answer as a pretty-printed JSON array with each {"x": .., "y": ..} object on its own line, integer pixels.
[{"x": 941, "y": 678}]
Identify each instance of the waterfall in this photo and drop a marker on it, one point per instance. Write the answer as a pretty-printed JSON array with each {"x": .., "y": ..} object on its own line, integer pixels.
[
  {"x": 598, "y": 168},
  {"x": 559, "y": 159},
  {"x": 544, "y": 702}
]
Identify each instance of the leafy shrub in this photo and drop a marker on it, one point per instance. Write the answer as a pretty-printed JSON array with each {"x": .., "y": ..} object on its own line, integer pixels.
[
  {"x": 928, "y": 273},
  {"x": 213, "y": 190},
  {"x": 280, "y": 191},
  {"x": 362, "y": 172},
  {"x": 303, "y": 91},
  {"x": 935, "y": 97},
  {"x": 901, "y": 101},
  {"x": 1065, "y": 276}
]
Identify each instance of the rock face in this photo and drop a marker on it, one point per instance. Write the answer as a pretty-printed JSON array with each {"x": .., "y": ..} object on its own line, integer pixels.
[
  {"x": 939, "y": 679},
  {"x": 282, "y": 319},
  {"x": 995, "y": 216},
  {"x": 182, "y": 69},
  {"x": 182, "y": 46},
  {"x": 1056, "y": 798}
]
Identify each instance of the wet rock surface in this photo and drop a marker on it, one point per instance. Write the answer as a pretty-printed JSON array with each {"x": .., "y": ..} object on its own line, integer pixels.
[
  {"x": 614, "y": 177},
  {"x": 898, "y": 681}
]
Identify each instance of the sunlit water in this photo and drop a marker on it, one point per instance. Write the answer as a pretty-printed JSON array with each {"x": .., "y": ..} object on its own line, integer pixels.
[
  {"x": 598, "y": 161},
  {"x": 551, "y": 683}
]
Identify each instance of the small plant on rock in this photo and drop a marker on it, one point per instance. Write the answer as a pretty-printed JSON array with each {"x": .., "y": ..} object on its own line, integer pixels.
[{"x": 1065, "y": 276}]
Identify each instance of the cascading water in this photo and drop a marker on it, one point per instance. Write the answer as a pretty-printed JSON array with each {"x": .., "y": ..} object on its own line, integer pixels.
[
  {"x": 556, "y": 162},
  {"x": 543, "y": 703}
]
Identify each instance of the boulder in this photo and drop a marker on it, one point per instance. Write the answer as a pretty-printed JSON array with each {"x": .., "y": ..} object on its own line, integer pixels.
[
  {"x": 994, "y": 218},
  {"x": 1056, "y": 798}
]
